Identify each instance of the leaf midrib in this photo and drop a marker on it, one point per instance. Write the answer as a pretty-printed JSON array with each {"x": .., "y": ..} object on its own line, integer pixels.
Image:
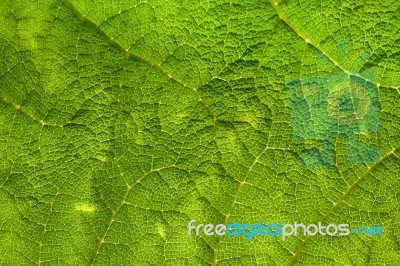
[
  {"x": 158, "y": 66},
  {"x": 348, "y": 191},
  {"x": 130, "y": 54},
  {"x": 316, "y": 45},
  {"x": 336, "y": 205}
]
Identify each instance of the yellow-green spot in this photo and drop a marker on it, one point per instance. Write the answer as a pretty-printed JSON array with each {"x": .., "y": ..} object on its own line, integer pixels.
[
  {"x": 179, "y": 117},
  {"x": 161, "y": 230},
  {"x": 101, "y": 158},
  {"x": 252, "y": 121},
  {"x": 85, "y": 207}
]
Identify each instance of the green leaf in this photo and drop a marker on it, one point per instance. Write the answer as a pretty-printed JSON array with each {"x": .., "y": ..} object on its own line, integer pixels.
[{"x": 123, "y": 120}]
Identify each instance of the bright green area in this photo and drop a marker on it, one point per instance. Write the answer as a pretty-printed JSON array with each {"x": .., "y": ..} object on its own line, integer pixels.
[{"x": 122, "y": 120}]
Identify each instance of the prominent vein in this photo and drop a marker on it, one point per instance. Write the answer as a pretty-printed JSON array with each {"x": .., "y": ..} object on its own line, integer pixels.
[
  {"x": 341, "y": 199},
  {"x": 370, "y": 169},
  {"x": 316, "y": 45},
  {"x": 46, "y": 224},
  {"x": 235, "y": 197},
  {"x": 116, "y": 211},
  {"x": 128, "y": 53},
  {"x": 18, "y": 108}
]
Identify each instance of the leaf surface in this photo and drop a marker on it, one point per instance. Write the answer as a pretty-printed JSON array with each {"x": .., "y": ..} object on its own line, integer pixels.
[{"x": 122, "y": 121}]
